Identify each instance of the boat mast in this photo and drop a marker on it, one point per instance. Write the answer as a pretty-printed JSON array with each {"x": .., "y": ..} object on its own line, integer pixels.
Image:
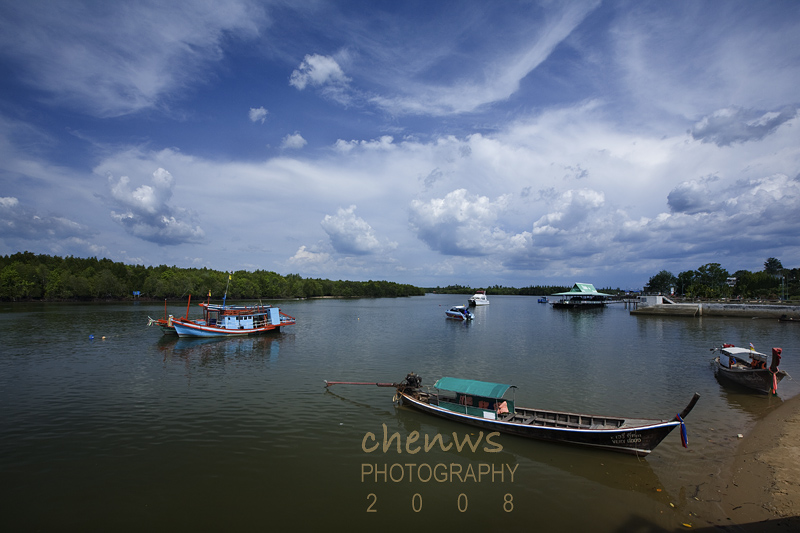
[{"x": 226, "y": 291}]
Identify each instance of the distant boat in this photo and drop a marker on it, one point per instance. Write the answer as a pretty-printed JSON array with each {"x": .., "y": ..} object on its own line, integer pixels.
[
  {"x": 542, "y": 300},
  {"x": 483, "y": 405},
  {"x": 459, "y": 312},
  {"x": 748, "y": 368},
  {"x": 220, "y": 320},
  {"x": 581, "y": 296},
  {"x": 166, "y": 324},
  {"x": 479, "y": 298}
]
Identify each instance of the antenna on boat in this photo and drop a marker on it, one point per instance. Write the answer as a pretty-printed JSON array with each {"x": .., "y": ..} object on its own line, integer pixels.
[{"x": 226, "y": 289}]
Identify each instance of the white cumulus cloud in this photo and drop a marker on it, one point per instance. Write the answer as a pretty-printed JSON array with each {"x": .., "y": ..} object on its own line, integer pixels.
[
  {"x": 317, "y": 70},
  {"x": 146, "y": 213},
  {"x": 293, "y": 140},
  {"x": 352, "y": 235},
  {"x": 460, "y": 223},
  {"x": 258, "y": 114}
]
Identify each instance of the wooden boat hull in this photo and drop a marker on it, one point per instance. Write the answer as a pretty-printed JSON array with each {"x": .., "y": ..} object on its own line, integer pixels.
[
  {"x": 233, "y": 321},
  {"x": 186, "y": 329},
  {"x": 756, "y": 379},
  {"x": 633, "y": 436},
  {"x": 164, "y": 324},
  {"x": 168, "y": 330}
]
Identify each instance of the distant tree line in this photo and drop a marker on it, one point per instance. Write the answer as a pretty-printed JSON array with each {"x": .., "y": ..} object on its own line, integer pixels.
[
  {"x": 27, "y": 276},
  {"x": 713, "y": 281},
  {"x": 533, "y": 290}
]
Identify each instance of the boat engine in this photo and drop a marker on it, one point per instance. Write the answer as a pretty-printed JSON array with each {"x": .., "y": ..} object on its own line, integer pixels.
[{"x": 412, "y": 381}]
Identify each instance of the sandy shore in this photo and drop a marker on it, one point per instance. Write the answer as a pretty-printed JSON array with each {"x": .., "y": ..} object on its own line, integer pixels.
[{"x": 762, "y": 491}]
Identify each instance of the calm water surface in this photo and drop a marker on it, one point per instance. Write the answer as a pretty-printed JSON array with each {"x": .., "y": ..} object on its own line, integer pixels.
[{"x": 138, "y": 430}]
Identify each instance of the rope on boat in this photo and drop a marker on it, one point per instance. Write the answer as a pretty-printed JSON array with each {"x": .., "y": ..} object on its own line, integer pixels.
[{"x": 684, "y": 436}]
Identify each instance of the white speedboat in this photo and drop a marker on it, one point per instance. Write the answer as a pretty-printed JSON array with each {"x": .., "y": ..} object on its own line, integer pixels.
[
  {"x": 459, "y": 312},
  {"x": 479, "y": 298}
]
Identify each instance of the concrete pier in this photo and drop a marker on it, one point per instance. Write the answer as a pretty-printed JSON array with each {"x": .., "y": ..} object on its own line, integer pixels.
[{"x": 661, "y": 305}]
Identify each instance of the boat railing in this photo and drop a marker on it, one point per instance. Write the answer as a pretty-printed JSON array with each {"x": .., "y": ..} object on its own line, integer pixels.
[{"x": 566, "y": 420}]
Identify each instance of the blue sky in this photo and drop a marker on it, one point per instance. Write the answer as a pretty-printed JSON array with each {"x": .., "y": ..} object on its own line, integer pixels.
[{"x": 479, "y": 143}]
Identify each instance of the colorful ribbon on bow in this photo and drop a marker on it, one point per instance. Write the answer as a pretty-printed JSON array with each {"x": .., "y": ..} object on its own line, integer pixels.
[{"x": 684, "y": 437}]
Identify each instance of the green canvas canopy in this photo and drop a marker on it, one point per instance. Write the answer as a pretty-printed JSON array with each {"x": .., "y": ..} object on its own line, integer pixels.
[
  {"x": 582, "y": 289},
  {"x": 470, "y": 386}
]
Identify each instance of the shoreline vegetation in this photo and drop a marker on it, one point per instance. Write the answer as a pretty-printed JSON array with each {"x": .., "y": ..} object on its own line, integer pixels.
[
  {"x": 29, "y": 277},
  {"x": 25, "y": 276}
]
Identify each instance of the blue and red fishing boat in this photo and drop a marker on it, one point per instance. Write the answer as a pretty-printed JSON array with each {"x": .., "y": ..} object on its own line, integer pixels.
[{"x": 220, "y": 320}]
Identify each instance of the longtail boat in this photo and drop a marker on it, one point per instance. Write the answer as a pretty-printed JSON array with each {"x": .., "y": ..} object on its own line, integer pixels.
[
  {"x": 748, "y": 368},
  {"x": 484, "y": 405}
]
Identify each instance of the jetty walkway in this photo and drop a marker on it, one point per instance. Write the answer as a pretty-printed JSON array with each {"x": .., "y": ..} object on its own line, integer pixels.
[{"x": 662, "y": 305}]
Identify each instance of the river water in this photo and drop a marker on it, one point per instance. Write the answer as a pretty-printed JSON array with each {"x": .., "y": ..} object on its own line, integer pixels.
[{"x": 133, "y": 430}]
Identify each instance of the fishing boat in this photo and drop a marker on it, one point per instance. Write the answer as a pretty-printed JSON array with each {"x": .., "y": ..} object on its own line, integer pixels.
[
  {"x": 484, "y": 405},
  {"x": 459, "y": 312},
  {"x": 220, "y": 320},
  {"x": 748, "y": 368},
  {"x": 166, "y": 324},
  {"x": 479, "y": 298}
]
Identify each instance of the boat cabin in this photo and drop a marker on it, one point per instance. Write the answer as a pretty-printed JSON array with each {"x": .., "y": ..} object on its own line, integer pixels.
[
  {"x": 242, "y": 317},
  {"x": 476, "y": 398},
  {"x": 729, "y": 355}
]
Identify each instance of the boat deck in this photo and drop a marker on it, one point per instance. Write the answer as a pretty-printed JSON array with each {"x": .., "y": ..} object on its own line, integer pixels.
[{"x": 536, "y": 417}]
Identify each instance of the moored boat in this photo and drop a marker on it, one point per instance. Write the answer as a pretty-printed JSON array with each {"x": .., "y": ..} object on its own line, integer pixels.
[
  {"x": 484, "y": 405},
  {"x": 459, "y": 312},
  {"x": 748, "y": 368},
  {"x": 166, "y": 324},
  {"x": 479, "y": 298},
  {"x": 220, "y": 320}
]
